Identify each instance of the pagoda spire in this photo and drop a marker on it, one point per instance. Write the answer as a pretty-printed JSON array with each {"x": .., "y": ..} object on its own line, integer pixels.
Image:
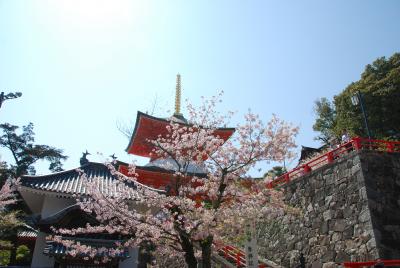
[{"x": 178, "y": 95}]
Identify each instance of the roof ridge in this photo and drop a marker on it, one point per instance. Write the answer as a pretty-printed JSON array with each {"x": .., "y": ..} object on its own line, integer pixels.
[{"x": 65, "y": 171}]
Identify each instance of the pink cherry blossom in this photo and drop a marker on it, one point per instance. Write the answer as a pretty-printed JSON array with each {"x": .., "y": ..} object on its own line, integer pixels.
[{"x": 200, "y": 212}]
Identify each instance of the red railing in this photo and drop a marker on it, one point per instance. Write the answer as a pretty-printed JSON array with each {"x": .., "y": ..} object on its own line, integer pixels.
[
  {"x": 237, "y": 256},
  {"x": 355, "y": 144},
  {"x": 372, "y": 263}
]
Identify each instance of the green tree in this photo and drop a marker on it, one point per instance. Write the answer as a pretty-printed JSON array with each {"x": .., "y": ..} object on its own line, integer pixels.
[
  {"x": 380, "y": 86},
  {"x": 25, "y": 152},
  {"x": 23, "y": 254},
  {"x": 326, "y": 120},
  {"x": 275, "y": 172}
]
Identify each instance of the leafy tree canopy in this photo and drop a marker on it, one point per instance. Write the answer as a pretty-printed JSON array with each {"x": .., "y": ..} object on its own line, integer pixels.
[
  {"x": 380, "y": 88},
  {"x": 25, "y": 152},
  {"x": 275, "y": 172}
]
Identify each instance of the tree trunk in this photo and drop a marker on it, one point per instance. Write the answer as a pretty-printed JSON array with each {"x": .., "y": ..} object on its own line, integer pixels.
[
  {"x": 187, "y": 247},
  {"x": 206, "y": 251}
]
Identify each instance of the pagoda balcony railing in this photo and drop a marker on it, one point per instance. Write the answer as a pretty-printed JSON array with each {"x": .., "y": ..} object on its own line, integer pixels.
[{"x": 355, "y": 144}]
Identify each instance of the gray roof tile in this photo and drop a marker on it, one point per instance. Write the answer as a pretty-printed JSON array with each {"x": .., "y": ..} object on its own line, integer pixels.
[{"x": 73, "y": 183}]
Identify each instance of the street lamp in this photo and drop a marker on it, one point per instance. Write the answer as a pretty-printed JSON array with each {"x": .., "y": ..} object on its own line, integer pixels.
[
  {"x": 357, "y": 99},
  {"x": 8, "y": 96}
]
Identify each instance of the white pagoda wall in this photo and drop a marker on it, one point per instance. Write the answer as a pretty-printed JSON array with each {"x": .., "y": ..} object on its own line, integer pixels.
[
  {"x": 39, "y": 260},
  {"x": 51, "y": 205}
]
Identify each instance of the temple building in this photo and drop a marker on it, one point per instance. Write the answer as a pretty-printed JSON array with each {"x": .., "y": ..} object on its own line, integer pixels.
[{"x": 52, "y": 198}]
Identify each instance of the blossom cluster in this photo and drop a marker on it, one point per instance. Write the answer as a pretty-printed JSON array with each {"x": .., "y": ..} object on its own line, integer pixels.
[{"x": 7, "y": 194}]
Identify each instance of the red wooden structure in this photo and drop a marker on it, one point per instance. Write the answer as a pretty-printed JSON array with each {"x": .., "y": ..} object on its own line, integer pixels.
[
  {"x": 327, "y": 158},
  {"x": 237, "y": 256},
  {"x": 148, "y": 127},
  {"x": 372, "y": 263}
]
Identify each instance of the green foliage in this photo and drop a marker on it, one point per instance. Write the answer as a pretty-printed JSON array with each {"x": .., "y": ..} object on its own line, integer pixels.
[
  {"x": 23, "y": 254},
  {"x": 9, "y": 222},
  {"x": 25, "y": 152},
  {"x": 5, "y": 257},
  {"x": 380, "y": 88},
  {"x": 275, "y": 172},
  {"x": 326, "y": 121}
]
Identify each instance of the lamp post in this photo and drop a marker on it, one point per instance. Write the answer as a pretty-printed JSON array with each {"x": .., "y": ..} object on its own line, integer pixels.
[
  {"x": 8, "y": 96},
  {"x": 357, "y": 99}
]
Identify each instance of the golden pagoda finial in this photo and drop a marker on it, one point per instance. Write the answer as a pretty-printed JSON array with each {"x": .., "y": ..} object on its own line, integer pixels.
[{"x": 178, "y": 95}]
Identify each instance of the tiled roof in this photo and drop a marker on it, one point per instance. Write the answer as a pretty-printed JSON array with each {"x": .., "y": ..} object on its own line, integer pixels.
[
  {"x": 27, "y": 234},
  {"x": 72, "y": 182},
  {"x": 148, "y": 127}
]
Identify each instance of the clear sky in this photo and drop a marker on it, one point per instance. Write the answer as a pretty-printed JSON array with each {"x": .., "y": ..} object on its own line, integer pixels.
[{"x": 84, "y": 65}]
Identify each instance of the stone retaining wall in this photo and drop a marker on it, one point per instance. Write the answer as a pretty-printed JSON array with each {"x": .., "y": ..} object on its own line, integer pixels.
[{"x": 349, "y": 211}]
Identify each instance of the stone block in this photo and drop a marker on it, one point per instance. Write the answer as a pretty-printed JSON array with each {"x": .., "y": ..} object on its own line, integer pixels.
[
  {"x": 328, "y": 256},
  {"x": 330, "y": 265},
  {"x": 347, "y": 212},
  {"x": 351, "y": 245},
  {"x": 324, "y": 228},
  {"x": 348, "y": 232},
  {"x": 339, "y": 225},
  {"x": 371, "y": 244},
  {"x": 336, "y": 236},
  {"x": 316, "y": 264},
  {"x": 342, "y": 256},
  {"x": 364, "y": 216},
  {"x": 339, "y": 214},
  {"x": 327, "y": 215},
  {"x": 363, "y": 193}
]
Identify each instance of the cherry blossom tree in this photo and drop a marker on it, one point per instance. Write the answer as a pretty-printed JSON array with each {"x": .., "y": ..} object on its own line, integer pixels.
[
  {"x": 9, "y": 220},
  {"x": 199, "y": 212},
  {"x": 7, "y": 195}
]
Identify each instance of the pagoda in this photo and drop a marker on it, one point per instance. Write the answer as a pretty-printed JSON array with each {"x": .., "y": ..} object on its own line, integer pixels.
[
  {"x": 158, "y": 172},
  {"x": 52, "y": 198}
]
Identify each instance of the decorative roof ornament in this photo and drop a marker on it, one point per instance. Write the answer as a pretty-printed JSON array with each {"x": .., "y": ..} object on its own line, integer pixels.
[
  {"x": 178, "y": 96},
  {"x": 84, "y": 160}
]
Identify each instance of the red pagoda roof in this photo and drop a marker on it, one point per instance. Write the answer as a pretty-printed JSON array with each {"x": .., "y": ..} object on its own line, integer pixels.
[
  {"x": 148, "y": 127},
  {"x": 154, "y": 177}
]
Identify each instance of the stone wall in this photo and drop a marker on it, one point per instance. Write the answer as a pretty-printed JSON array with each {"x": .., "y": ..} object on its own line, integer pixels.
[
  {"x": 349, "y": 210},
  {"x": 382, "y": 184}
]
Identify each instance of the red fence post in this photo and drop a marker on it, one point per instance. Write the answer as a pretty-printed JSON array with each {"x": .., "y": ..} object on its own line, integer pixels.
[
  {"x": 287, "y": 178},
  {"x": 306, "y": 168},
  {"x": 238, "y": 259},
  {"x": 330, "y": 157},
  {"x": 357, "y": 143},
  {"x": 390, "y": 147}
]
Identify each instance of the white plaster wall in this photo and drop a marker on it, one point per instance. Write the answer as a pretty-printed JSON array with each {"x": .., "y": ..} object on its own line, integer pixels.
[
  {"x": 33, "y": 200},
  {"x": 131, "y": 262},
  {"x": 53, "y": 204},
  {"x": 39, "y": 260}
]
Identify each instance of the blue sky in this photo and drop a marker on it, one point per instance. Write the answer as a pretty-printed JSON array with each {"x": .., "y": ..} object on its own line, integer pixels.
[{"x": 82, "y": 66}]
